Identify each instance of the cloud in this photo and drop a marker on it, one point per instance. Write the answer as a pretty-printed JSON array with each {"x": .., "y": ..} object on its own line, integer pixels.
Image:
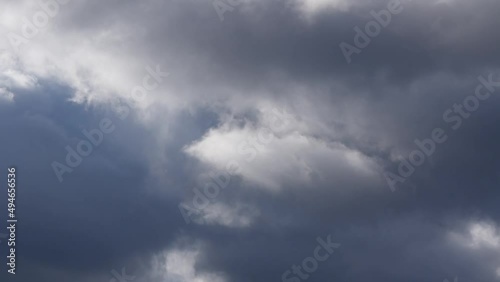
[
  {"x": 6, "y": 94},
  {"x": 179, "y": 264},
  {"x": 313, "y": 6},
  {"x": 269, "y": 90}
]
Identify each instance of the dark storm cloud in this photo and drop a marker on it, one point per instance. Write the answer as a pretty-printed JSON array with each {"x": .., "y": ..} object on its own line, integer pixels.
[
  {"x": 258, "y": 38},
  {"x": 101, "y": 216},
  {"x": 120, "y": 206}
]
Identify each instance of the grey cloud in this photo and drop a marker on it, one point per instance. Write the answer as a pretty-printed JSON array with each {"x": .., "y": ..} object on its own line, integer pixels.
[{"x": 119, "y": 208}]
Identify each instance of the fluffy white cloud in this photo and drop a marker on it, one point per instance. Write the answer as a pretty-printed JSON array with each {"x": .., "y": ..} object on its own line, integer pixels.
[
  {"x": 270, "y": 158},
  {"x": 179, "y": 265},
  {"x": 480, "y": 239}
]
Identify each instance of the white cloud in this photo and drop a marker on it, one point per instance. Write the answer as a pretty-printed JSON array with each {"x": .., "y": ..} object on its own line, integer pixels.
[
  {"x": 179, "y": 265},
  {"x": 12, "y": 73},
  {"x": 6, "y": 94},
  {"x": 313, "y": 6},
  {"x": 479, "y": 234},
  {"x": 481, "y": 239},
  {"x": 484, "y": 234},
  {"x": 270, "y": 158}
]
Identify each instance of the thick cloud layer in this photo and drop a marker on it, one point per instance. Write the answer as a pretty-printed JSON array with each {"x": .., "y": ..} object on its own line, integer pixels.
[{"x": 243, "y": 141}]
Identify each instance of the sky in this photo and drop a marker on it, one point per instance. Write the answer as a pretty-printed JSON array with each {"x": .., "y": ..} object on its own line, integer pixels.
[{"x": 251, "y": 140}]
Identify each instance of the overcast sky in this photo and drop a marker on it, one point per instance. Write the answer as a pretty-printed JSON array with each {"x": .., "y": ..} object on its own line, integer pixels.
[{"x": 252, "y": 140}]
